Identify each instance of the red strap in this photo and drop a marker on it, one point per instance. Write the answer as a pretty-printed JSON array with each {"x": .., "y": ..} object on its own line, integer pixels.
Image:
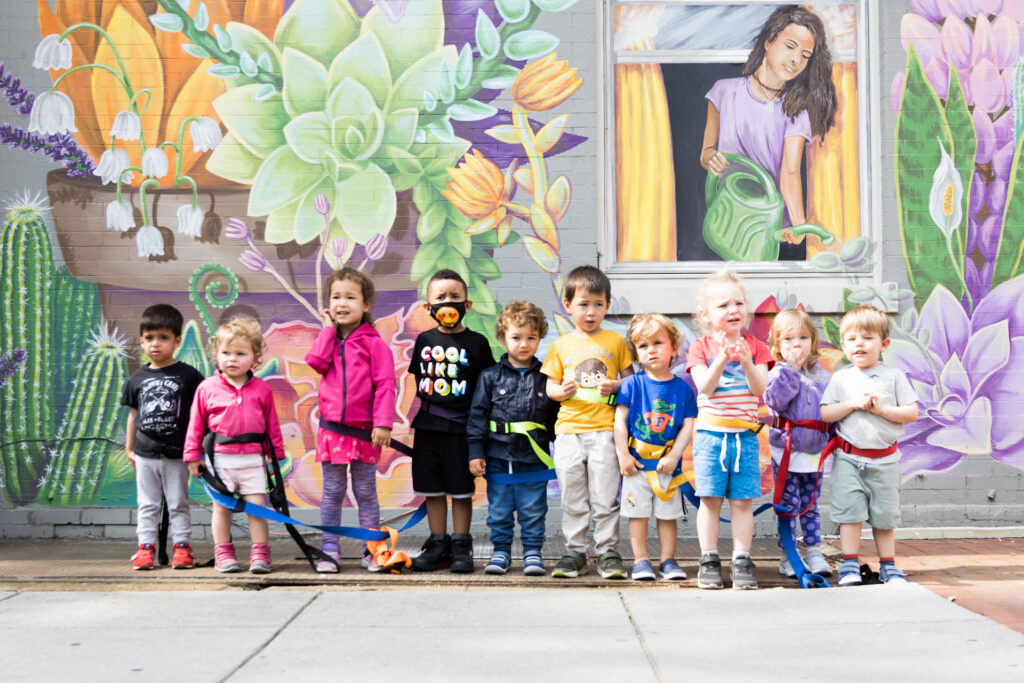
[
  {"x": 838, "y": 443},
  {"x": 786, "y": 424}
]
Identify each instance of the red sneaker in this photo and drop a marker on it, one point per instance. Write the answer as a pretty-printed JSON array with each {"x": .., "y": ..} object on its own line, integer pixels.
[
  {"x": 183, "y": 557},
  {"x": 143, "y": 559}
]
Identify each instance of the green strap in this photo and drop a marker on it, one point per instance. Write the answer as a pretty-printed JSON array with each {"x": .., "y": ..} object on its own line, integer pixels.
[
  {"x": 592, "y": 395},
  {"x": 525, "y": 428}
]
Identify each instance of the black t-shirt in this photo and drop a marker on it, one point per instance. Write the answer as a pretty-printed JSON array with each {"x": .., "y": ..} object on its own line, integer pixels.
[
  {"x": 163, "y": 398},
  {"x": 446, "y": 367}
]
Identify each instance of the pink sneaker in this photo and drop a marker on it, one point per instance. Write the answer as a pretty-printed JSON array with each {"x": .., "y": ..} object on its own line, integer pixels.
[
  {"x": 324, "y": 566},
  {"x": 259, "y": 559},
  {"x": 225, "y": 560},
  {"x": 368, "y": 561}
]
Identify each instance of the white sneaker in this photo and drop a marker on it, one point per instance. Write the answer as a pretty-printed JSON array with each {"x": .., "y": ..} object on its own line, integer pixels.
[
  {"x": 785, "y": 568},
  {"x": 816, "y": 562}
]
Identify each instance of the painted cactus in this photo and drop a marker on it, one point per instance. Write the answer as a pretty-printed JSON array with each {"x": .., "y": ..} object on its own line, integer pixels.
[
  {"x": 26, "y": 320},
  {"x": 76, "y": 314},
  {"x": 94, "y": 416}
]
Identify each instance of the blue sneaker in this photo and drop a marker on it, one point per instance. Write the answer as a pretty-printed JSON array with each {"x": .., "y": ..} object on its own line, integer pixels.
[
  {"x": 890, "y": 573},
  {"x": 499, "y": 562},
  {"x": 533, "y": 563},
  {"x": 671, "y": 571},
  {"x": 642, "y": 571},
  {"x": 849, "y": 573}
]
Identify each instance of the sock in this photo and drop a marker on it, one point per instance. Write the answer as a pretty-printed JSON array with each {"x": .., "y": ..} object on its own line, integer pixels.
[
  {"x": 887, "y": 561},
  {"x": 705, "y": 553},
  {"x": 737, "y": 554},
  {"x": 851, "y": 561}
]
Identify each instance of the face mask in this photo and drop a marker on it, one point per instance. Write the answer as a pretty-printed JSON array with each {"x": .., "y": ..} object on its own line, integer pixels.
[{"x": 448, "y": 313}]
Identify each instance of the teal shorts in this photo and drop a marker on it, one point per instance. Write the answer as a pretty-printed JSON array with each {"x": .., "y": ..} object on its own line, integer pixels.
[{"x": 727, "y": 464}]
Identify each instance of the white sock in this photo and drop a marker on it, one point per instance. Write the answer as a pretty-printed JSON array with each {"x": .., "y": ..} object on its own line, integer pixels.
[
  {"x": 705, "y": 553},
  {"x": 737, "y": 554}
]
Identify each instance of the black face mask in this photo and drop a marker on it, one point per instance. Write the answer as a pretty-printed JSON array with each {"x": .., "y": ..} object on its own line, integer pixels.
[{"x": 448, "y": 313}]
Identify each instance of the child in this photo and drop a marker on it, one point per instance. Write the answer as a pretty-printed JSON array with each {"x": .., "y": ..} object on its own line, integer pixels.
[
  {"x": 446, "y": 362},
  {"x": 730, "y": 369},
  {"x": 509, "y": 430},
  {"x": 585, "y": 460},
  {"x": 159, "y": 397},
  {"x": 784, "y": 98},
  {"x": 231, "y": 403},
  {"x": 795, "y": 386},
  {"x": 358, "y": 390},
  {"x": 654, "y": 414},
  {"x": 871, "y": 402}
]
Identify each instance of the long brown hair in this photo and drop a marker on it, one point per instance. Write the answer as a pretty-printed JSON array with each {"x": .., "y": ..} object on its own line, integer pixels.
[
  {"x": 358, "y": 277},
  {"x": 813, "y": 89}
]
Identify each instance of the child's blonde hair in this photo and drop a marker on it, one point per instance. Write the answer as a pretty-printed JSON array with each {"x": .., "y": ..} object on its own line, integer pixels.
[
  {"x": 794, "y": 318},
  {"x": 866, "y": 318},
  {"x": 245, "y": 329},
  {"x": 721, "y": 277},
  {"x": 361, "y": 279},
  {"x": 647, "y": 326},
  {"x": 520, "y": 313}
]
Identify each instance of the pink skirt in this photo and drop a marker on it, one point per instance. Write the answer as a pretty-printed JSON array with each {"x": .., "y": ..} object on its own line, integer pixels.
[{"x": 339, "y": 449}]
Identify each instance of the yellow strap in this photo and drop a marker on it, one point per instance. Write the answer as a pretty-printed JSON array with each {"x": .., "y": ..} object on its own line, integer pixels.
[
  {"x": 718, "y": 421},
  {"x": 650, "y": 451},
  {"x": 677, "y": 481}
]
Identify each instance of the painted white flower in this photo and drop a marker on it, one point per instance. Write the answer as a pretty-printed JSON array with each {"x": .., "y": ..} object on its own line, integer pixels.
[
  {"x": 149, "y": 241},
  {"x": 946, "y": 198},
  {"x": 52, "y": 112},
  {"x": 120, "y": 216},
  {"x": 205, "y": 133},
  {"x": 127, "y": 126},
  {"x": 154, "y": 163},
  {"x": 52, "y": 53},
  {"x": 114, "y": 164},
  {"x": 190, "y": 220}
]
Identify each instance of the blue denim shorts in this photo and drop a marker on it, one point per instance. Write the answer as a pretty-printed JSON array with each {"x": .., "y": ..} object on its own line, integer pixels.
[{"x": 726, "y": 464}]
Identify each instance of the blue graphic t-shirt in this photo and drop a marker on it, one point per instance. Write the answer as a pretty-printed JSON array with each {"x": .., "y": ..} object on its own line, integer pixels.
[{"x": 656, "y": 409}]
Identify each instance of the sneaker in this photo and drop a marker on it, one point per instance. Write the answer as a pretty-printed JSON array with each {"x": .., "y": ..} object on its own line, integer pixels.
[
  {"x": 572, "y": 564},
  {"x": 671, "y": 571},
  {"x": 462, "y": 554},
  {"x": 742, "y": 570},
  {"x": 816, "y": 562},
  {"x": 183, "y": 557},
  {"x": 224, "y": 559},
  {"x": 143, "y": 558},
  {"x": 890, "y": 573},
  {"x": 849, "y": 573},
  {"x": 369, "y": 562},
  {"x": 609, "y": 565},
  {"x": 533, "y": 563},
  {"x": 325, "y": 566},
  {"x": 709, "y": 573},
  {"x": 435, "y": 554},
  {"x": 259, "y": 559},
  {"x": 643, "y": 571},
  {"x": 499, "y": 562},
  {"x": 785, "y": 568}
]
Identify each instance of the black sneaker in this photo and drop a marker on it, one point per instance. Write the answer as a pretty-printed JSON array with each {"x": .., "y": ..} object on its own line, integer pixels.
[
  {"x": 462, "y": 554},
  {"x": 709, "y": 573},
  {"x": 742, "y": 569},
  {"x": 436, "y": 553},
  {"x": 571, "y": 565},
  {"x": 609, "y": 565}
]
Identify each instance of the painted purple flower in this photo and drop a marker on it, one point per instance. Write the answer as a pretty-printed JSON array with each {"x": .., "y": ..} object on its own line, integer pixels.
[
  {"x": 236, "y": 229},
  {"x": 376, "y": 247},
  {"x": 321, "y": 204},
  {"x": 253, "y": 260},
  {"x": 339, "y": 249},
  {"x": 961, "y": 368}
]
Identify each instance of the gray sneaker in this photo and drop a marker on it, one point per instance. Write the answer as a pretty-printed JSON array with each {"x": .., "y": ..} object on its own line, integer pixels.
[
  {"x": 709, "y": 573},
  {"x": 785, "y": 568},
  {"x": 816, "y": 562},
  {"x": 609, "y": 565},
  {"x": 742, "y": 569},
  {"x": 571, "y": 565},
  {"x": 890, "y": 573}
]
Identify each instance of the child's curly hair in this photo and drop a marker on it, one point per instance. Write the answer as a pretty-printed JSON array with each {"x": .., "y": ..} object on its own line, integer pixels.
[
  {"x": 520, "y": 313},
  {"x": 647, "y": 326},
  {"x": 789, "y": 319},
  {"x": 245, "y": 329}
]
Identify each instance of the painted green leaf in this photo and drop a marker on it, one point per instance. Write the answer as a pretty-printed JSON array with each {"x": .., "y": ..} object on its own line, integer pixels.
[
  {"x": 446, "y": 82},
  {"x": 169, "y": 23},
  {"x": 280, "y": 226},
  {"x": 373, "y": 134},
  {"x": 1009, "y": 261},
  {"x": 321, "y": 28},
  {"x": 309, "y": 136},
  {"x": 831, "y": 328},
  {"x": 417, "y": 34},
  {"x": 527, "y": 45},
  {"x": 247, "y": 64},
  {"x": 480, "y": 293},
  {"x": 471, "y": 110},
  {"x": 195, "y": 50},
  {"x": 431, "y": 222},
  {"x": 554, "y": 5},
  {"x": 484, "y": 265},
  {"x": 460, "y": 241},
  {"x": 453, "y": 261},
  {"x": 409, "y": 87},
  {"x": 366, "y": 204},
  {"x": 231, "y": 160},
  {"x": 308, "y": 223},
  {"x": 245, "y": 38},
  {"x": 223, "y": 39},
  {"x": 441, "y": 155},
  {"x": 283, "y": 177},
  {"x": 305, "y": 83},
  {"x": 425, "y": 260},
  {"x": 400, "y": 128},
  {"x": 501, "y": 76},
  {"x": 363, "y": 61},
  {"x": 464, "y": 67},
  {"x": 223, "y": 70},
  {"x": 403, "y": 161},
  {"x": 505, "y": 133},
  {"x": 257, "y": 125},
  {"x": 265, "y": 92},
  {"x": 965, "y": 148},
  {"x": 513, "y": 11},
  {"x": 350, "y": 99},
  {"x": 920, "y": 125},
  {"x": 551, "y": 133},
  {"x": 488, "y": 40},
  {"x": 442, "y": 129}
]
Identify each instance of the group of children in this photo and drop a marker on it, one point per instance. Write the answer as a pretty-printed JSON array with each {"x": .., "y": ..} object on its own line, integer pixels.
[{"x": 615, "y": 438}]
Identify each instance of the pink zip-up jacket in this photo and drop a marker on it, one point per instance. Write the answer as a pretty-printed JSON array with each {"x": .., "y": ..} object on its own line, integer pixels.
[
  {"x": 221, "y": 407},
  {"x": 358, "y": 371}
]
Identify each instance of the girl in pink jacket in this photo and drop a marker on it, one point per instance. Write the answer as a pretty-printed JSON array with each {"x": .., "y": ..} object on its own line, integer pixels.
[
  {"x": 231, "y": 403},
  {"x": 357, "y": 391}
]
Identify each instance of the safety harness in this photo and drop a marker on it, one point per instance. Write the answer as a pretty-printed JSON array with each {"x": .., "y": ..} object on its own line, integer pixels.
[
  {"x": 648, "y": 454},
  {"x": 523, "y": 428},
  {"x": 592, "y": 395}
]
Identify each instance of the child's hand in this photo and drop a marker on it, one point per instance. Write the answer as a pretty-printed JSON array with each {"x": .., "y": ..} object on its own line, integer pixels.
[
  {"x": 131, "y": 458},
  {"x": 742, "y": 350},
  {"x": 569, "y": 386},
  {"x": 326, "y": 318},
  {"x": 796, "y": 357},
  {"x": 380, "y": 436},
  {"x": 628, "y": 465},
  {"x": 865, "y": 402},
  {"x": 607, "y": 387},
  {"x": 477, "y": 467},
  {"x": 195, "y": 468},
  {"x": 667, "y": 465}
]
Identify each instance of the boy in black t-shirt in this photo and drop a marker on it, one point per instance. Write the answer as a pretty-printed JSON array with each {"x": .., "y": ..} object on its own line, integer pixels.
[
  {"x": 446, "y": 362},
  {"x": 159, "y": 396}
]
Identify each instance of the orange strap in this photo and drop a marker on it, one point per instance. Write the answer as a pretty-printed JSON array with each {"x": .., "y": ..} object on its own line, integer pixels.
[{"x": 385, "y": 555}]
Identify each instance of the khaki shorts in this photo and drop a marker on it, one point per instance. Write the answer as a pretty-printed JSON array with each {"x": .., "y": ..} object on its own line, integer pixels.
[
  {"x": 639, "y": 502},
  {"x": 871, "y": 494}
]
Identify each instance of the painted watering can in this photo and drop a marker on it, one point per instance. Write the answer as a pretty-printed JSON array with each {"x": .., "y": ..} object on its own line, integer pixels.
[{"x": 744, "y": 216}]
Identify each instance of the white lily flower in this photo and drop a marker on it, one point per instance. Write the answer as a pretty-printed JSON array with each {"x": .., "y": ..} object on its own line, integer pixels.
[
  {"x": 120, "y": 216},
  {"x": 127, "y": 126},
  {"x": 190, "y": 220},
  {"x": 52, "y": 112},
  {"x": 205, "y": 133},
  {"x": 114, "y": 164},
  {"x": 52, "y": 53},
  {"x": 946, "y": 198},
  {"x": 149, "y": 241},
  {"x": 154, "y": 163}
]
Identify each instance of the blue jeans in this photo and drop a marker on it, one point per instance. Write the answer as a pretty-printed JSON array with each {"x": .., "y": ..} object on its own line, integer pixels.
[{"x": 506, "y": 501}]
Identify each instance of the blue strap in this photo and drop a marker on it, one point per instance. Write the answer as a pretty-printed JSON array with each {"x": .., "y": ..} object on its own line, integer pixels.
[
  {"x": 506, "y": 479},
  {"x": 806, "y": 578}
]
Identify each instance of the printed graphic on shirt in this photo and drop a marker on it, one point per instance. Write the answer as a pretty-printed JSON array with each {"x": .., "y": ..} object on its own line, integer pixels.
[
  {"x": 443, "y": 371},
  {"x": 590, "y": 373},
  {"x": 159, "y": 404},
  {"x": 655, "y": 421}
]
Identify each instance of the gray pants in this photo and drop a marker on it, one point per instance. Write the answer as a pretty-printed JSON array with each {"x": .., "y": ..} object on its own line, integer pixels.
[
  {"x": 588, "y": 474},
  {"x": 167, "y": 478}
]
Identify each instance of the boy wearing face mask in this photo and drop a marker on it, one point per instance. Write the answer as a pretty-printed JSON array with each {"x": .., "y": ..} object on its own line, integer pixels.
[{"x": 446, "y": 362}]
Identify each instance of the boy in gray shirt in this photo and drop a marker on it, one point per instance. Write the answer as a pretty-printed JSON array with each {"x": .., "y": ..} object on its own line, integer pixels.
[{"x": 871, "y": 402}]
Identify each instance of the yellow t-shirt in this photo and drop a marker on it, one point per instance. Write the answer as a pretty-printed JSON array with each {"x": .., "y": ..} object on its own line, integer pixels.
[{"x": 588, "y": 360}]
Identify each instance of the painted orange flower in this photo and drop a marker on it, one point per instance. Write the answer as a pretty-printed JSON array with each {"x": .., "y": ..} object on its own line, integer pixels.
[
  {"x": 545, "y": 84},
  {"x": 481, "y": 191}
]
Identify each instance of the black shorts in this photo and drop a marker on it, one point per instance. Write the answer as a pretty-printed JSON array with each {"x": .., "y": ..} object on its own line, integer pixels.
[{"x": 440, "y": 465}]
